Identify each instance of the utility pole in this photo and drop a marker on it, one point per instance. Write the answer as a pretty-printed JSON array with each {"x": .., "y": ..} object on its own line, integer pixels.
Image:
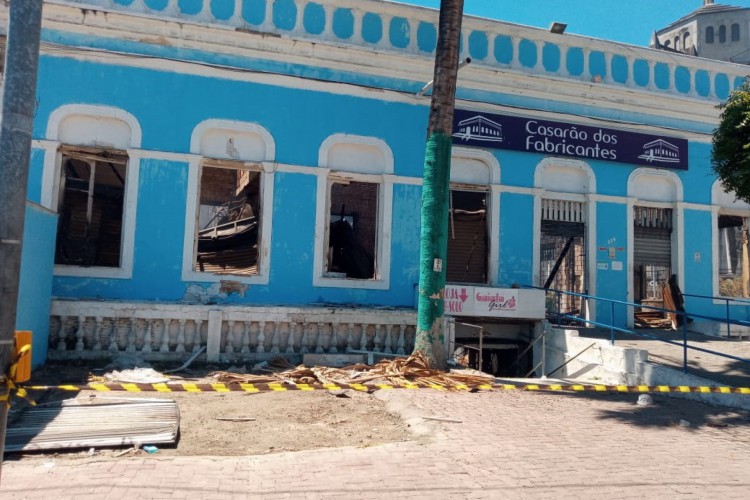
[
  {"x": 436, "y": 187},
  {"x": 19, "y": 103}
]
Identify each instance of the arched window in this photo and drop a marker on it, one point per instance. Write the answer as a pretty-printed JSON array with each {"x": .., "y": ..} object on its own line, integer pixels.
[
  {"x": 686, "y": 42},
  {"x": 735, "y": 32},
  {"x": 710, "y": 34},
  {"x": 472, "y": 246},
  {"x": 654, "y": 235},
  {"x": 94, "y": 190},
  {"x": 353, "y": 222},
  {"x": 722, "y": 34},
  {"x": 228, "y": 219},
  {"x": 677, "y": 43},
  {"x": 667, "y": 44}
]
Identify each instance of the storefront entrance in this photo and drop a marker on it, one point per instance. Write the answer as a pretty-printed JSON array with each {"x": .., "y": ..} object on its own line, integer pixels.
[{"x": 652, "y": 261}]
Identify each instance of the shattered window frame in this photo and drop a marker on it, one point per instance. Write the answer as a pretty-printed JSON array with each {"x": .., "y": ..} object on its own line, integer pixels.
[
  {"x": 237, "y": 225},
  {"x": 74, "y": 248},
  {"x": 728, "y": 283},
  {"x": 365, "y": 261}
]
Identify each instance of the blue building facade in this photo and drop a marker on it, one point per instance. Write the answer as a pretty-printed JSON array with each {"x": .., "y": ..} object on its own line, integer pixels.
[{"x": 165, "y": 128}]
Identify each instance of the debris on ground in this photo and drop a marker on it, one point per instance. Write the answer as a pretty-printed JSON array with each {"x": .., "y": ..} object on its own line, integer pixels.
[
  {"x": 136, "y": 376},
  {"x": 401, "y": 371},
  {"x": 127, "y": 361},
  {"x": 645, "y": 400},
  {"x": 188, "y": 362},
  {"x": 444, "y": 419}
]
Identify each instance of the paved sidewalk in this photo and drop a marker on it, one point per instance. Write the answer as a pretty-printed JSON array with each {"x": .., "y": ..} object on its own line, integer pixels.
[
  {"x": 716, "y": 368},
  {"x": 509, "y": 445}
]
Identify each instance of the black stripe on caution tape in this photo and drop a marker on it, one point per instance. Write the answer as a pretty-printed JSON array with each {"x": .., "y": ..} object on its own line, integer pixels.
[{"x": 279, "y": 387}]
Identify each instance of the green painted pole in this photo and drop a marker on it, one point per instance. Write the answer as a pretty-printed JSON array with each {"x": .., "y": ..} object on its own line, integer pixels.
[{"x": 433, "y": 247}]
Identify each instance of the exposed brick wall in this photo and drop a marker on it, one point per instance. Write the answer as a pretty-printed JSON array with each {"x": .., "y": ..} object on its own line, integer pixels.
[
  {"x": 361, "y": 200},
  {"x": 219, "y": 185}
]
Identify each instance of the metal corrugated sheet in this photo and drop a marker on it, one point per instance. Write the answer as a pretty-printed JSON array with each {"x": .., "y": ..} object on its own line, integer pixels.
[{"x": 81, "y": 424}]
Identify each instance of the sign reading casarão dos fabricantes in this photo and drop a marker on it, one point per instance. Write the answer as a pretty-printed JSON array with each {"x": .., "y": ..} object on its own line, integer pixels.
[{"x": 532, "y": 135}]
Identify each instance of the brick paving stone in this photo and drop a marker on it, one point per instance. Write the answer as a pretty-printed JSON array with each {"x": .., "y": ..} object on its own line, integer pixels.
[{"x": 509, "y": 445}]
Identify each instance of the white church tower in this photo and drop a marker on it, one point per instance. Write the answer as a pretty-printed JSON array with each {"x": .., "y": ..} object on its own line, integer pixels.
[{"x": 714, "y": 31}]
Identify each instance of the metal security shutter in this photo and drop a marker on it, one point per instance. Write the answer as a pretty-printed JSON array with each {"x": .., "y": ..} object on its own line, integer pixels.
[
  {"x": 467, "y": 258},
  {"x": 653, "y": 247},
  {"x": 467, "y": 252},
  {"x": 653, "y": 236}
]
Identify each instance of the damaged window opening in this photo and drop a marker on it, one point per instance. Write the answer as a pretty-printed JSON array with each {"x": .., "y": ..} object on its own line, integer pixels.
[
  {"x": 352, "y": 230},
  {"x": 563, "y": 253},
  {"x": 733, "y": 256},
  {"x": 228, "y": 219},
  {"x": 467, "y": 259},
  {"x": 90, "y": 207}
]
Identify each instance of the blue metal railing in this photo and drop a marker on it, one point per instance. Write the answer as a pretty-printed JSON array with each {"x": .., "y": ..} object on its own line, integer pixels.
[
  {"x": 727, "y": 300},
  {"x": 613, "y": 329}
]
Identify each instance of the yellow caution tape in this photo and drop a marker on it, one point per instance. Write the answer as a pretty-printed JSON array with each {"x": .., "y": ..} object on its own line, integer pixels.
[
  {"x": 10, "y": 388},
  {"x": 282, "y": 387}
]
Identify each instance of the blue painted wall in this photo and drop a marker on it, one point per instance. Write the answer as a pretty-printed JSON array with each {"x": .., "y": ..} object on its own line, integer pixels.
[
  {"x": 299, "y": 121},
  {"x": 35, "y": 288},
  {"x": 516, "y": 239},
  {"x": 611, "y": 231}
]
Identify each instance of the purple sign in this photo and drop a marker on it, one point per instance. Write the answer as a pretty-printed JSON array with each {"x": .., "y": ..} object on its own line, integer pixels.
[{"x": 473, "y": 128}]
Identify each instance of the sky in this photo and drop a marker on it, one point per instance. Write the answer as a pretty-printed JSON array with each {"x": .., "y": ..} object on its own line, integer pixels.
[{"x": 627, "y": 21}]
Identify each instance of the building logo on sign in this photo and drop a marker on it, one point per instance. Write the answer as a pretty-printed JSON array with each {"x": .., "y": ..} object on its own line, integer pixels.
[
  {"x": 479, "y": 128},
  {"x": 661, "y": 151}
]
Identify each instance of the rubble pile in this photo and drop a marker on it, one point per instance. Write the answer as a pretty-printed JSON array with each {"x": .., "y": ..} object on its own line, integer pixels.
[{"x": 413, "y": 370}]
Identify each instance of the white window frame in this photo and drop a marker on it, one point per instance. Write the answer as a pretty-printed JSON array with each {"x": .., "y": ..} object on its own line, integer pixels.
[
  {"x": 719, "y": 207},
  {"x": 51, "y": 181},
  {"x": 586, "y": 195},
  {"x": 326, "y": 178},
  {"x": 192, "y": 208},
  {"x": 636, "y": 198}
]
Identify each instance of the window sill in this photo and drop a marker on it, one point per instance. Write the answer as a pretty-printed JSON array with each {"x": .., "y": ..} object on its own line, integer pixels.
[
  {"x": 330, "y": 282},
  {"x": 93, "y": 272},
  {"x": 193, "y": 276}
]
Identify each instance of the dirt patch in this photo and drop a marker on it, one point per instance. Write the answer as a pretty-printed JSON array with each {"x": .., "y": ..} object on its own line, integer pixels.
[{"x": 283, "y": 421}]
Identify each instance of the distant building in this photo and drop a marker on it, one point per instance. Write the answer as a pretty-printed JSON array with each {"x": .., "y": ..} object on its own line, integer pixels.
[{"x": 714, "y": 31}]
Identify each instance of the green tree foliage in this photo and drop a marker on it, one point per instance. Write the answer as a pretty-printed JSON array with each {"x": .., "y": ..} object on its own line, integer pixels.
[{"x": 730, "y": 157}]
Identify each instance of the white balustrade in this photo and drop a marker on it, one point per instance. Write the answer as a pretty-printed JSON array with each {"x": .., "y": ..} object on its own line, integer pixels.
[
  {"x": 82, "y": 329},
  {"x": 414, "y": 16}
]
